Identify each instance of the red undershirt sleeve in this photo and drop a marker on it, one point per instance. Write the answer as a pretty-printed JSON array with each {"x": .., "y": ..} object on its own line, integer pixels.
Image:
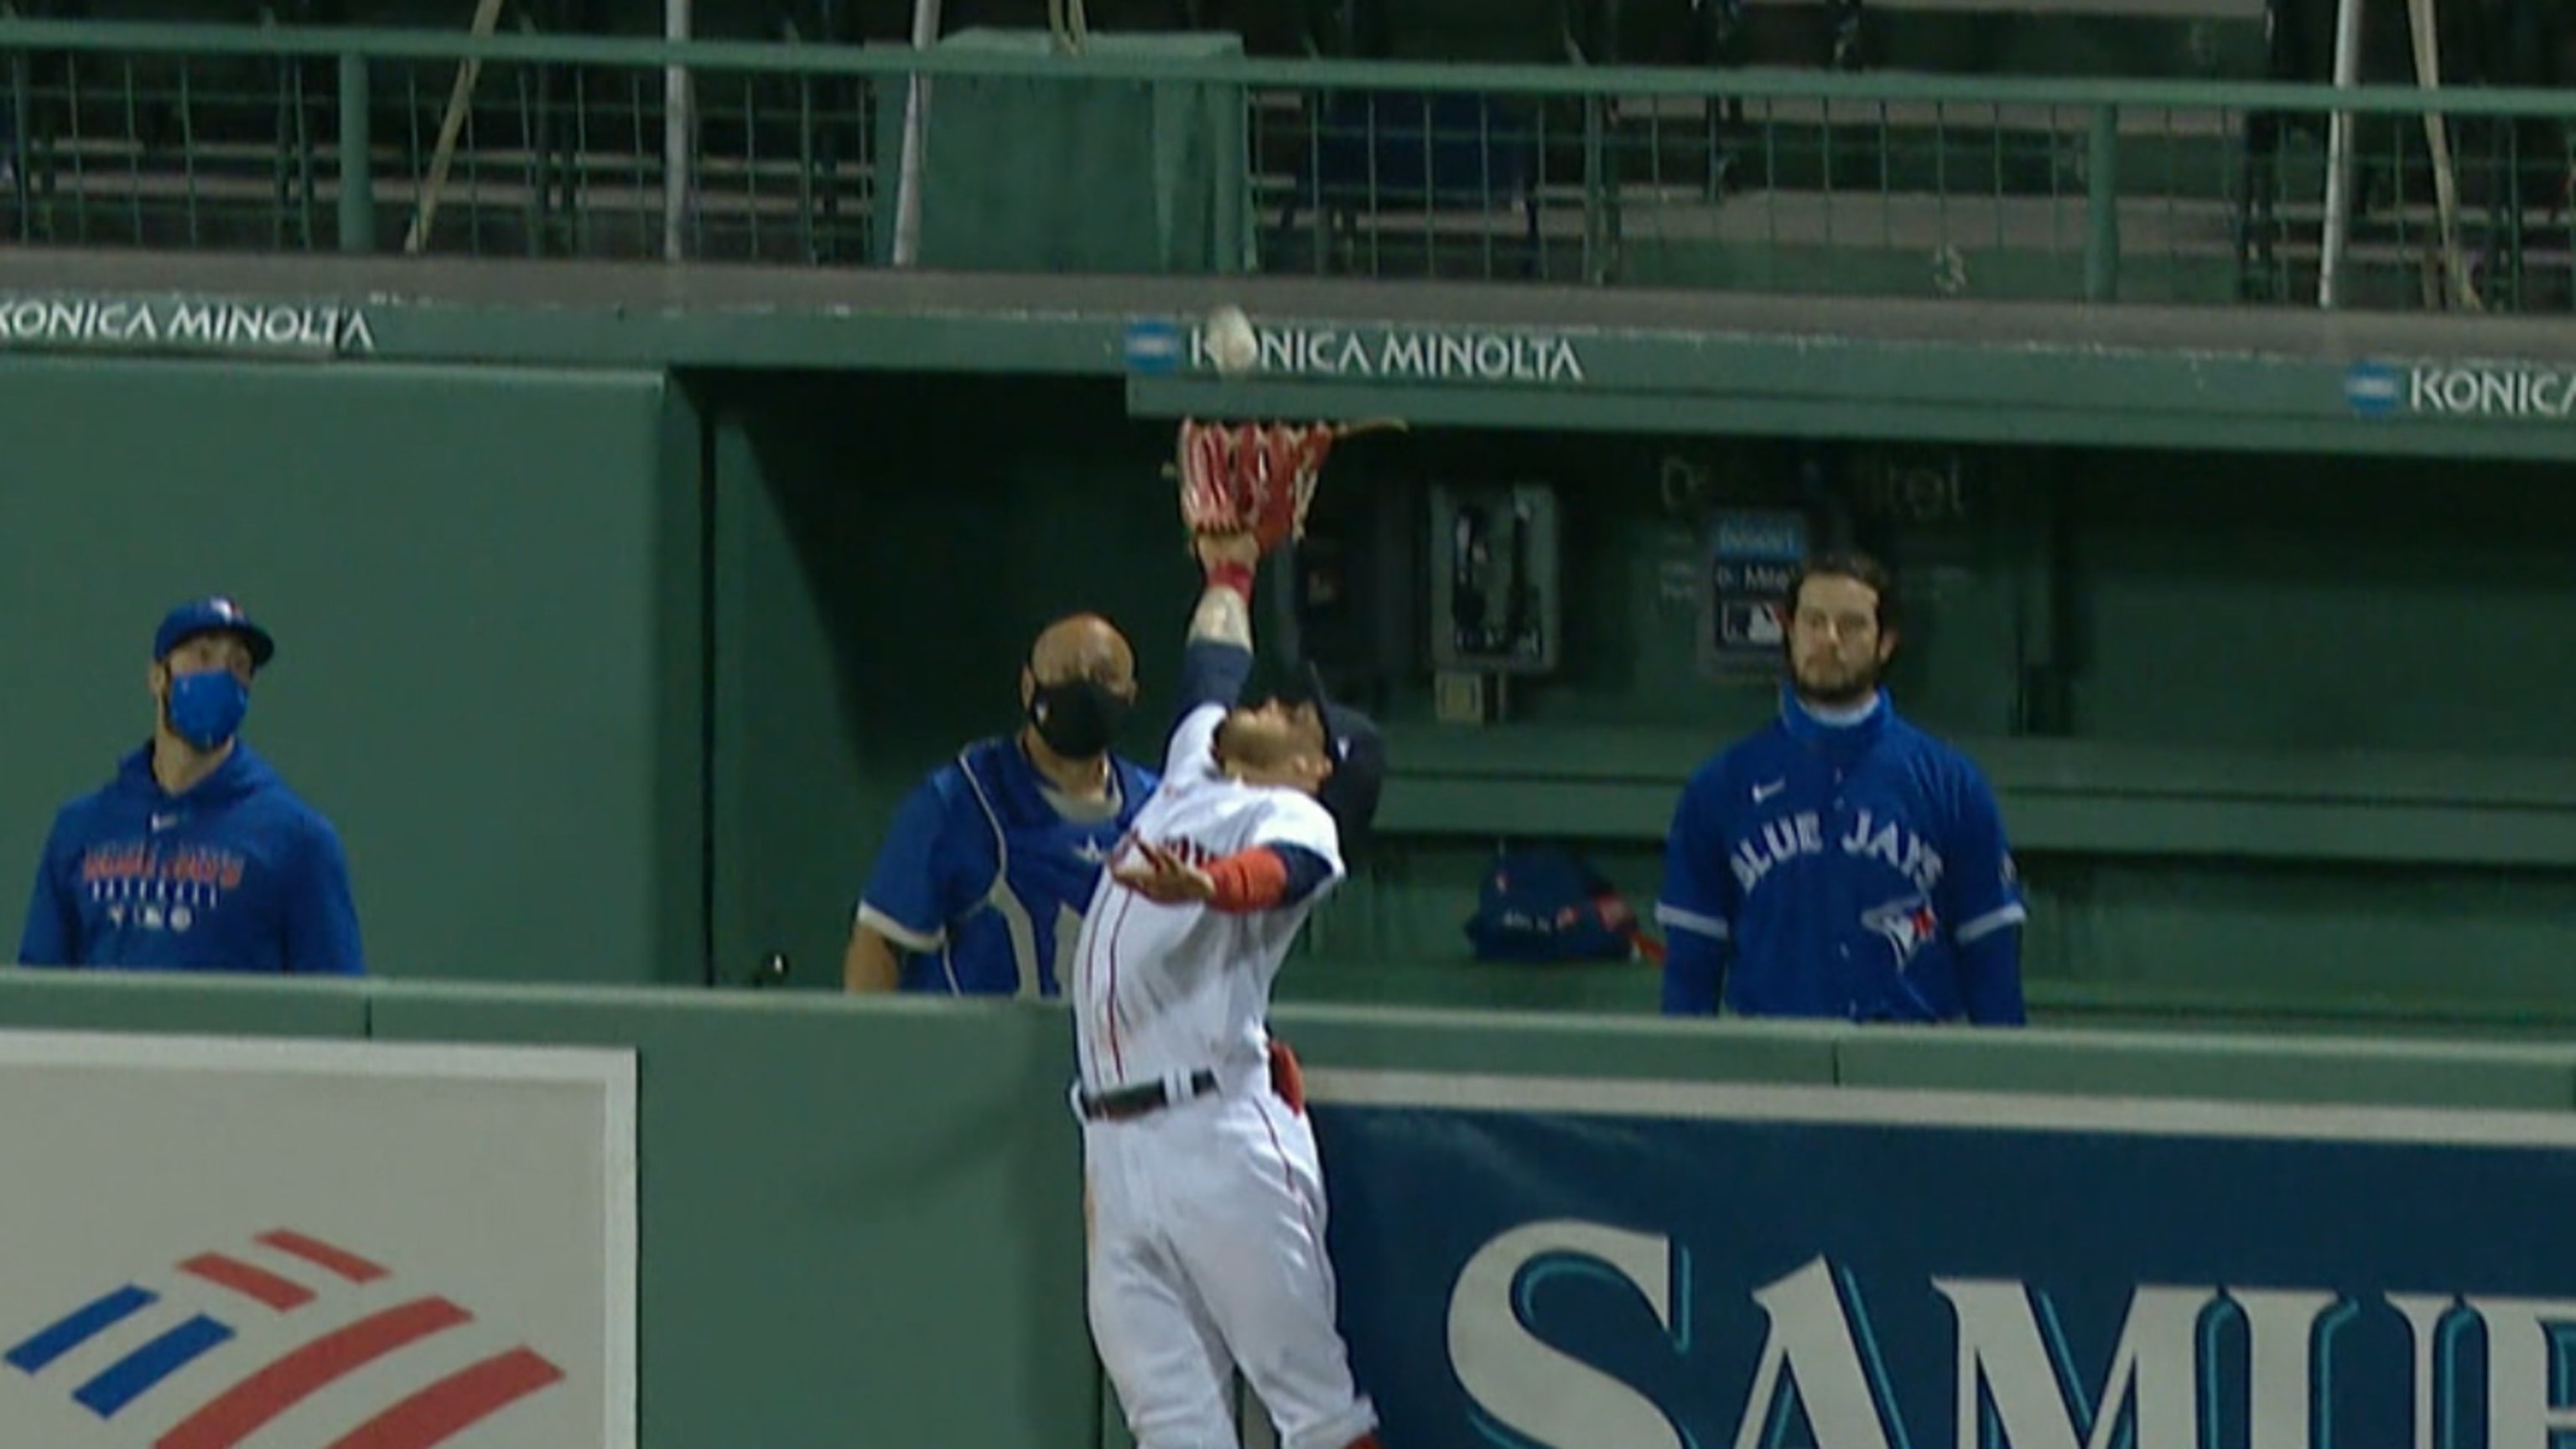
[{"x": 1249, "y": 880}]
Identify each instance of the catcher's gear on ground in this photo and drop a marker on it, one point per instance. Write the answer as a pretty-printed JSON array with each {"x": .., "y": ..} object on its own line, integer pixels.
[{"x": 1255, "y": 478}]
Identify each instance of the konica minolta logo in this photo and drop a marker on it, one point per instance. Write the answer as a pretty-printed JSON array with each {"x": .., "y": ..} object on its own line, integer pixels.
[
  {"x": 2467, "y": 390},
  {"x": 2374, "y": 389}
]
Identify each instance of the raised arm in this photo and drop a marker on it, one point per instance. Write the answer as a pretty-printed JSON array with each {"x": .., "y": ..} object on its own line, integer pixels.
[{"x": 1216, "y": 662}]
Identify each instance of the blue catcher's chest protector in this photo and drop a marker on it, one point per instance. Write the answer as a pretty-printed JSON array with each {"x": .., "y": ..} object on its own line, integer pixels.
[{"x": 1039, "y": 863}]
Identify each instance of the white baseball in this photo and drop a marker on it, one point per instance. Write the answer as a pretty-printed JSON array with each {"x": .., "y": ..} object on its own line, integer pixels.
[{"x": 1231, "y": 341}]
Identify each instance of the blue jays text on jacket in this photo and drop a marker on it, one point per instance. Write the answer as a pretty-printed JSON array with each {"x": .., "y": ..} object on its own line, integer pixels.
[
  {"x": 235, "y": 874},
  {"x": 1856, "y": 870},
  {"x": 986, "y": 870}
]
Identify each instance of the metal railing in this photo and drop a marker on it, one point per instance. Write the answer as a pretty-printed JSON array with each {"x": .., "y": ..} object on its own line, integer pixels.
[{"x": 278, "y": 139}]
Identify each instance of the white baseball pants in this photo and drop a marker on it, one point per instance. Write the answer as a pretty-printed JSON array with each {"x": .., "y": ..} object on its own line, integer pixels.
[{"x": 1207, "y": 1255}]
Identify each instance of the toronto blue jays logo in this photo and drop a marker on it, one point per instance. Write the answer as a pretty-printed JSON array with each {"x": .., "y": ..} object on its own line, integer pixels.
[
  {"x": 279, "y": 1273},
  {"x": 1906, "y": 924}
]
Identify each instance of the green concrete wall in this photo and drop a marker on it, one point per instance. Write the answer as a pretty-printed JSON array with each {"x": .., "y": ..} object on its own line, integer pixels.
[
  {"x": 482, "y": 583},
  {"x": 2275, "y": 734},
  {"x": 886, "y": 548},
  {"x": 608, "y": 677},
  {"x": 861, "y": 1219}
]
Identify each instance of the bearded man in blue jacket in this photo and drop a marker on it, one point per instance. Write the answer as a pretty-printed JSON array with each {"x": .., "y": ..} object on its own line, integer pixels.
[
  {"x": 1841, "y": 863},
  {"x": 196, "y": 856}
]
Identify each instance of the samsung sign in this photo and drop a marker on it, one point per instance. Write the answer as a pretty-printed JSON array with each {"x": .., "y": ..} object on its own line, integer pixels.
[
  {"x": 1600, "y": 1266},
  {"x": 2462, "y": 391}
]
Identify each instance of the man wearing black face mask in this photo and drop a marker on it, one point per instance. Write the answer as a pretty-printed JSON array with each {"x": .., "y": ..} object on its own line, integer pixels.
[
  {"x": 981, "y": 883},
  {"x": 196, "y": 857}
]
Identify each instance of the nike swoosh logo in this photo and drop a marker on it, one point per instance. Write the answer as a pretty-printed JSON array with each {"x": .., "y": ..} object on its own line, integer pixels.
[{"x": 1765, "y": 792}]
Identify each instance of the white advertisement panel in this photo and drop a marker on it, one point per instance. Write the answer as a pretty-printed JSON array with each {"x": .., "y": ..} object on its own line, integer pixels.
[{"x": 217, "y": 1242}]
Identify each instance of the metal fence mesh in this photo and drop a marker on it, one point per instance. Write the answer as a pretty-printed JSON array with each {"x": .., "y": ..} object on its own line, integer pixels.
[{"x": 1749, "y": 188}]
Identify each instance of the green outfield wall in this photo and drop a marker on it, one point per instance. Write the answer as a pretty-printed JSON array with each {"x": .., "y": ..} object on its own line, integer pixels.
[
  {"x": 628, "y": 670},
  {"x": 861, "y": 1221},
  {"x": 489, "y": 641}
]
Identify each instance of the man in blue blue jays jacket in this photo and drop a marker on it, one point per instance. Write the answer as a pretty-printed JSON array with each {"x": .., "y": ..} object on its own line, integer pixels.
[
  {"x": 195, "y": 857},
  {"x": 1841, "y": 863}
]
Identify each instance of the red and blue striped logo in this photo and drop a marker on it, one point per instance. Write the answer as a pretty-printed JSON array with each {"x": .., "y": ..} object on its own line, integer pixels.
[{"x": 282, "y": 1272}]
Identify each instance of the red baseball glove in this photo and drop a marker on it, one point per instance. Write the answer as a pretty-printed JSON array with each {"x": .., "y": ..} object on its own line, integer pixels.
[{"x": 1254, "y": 478}]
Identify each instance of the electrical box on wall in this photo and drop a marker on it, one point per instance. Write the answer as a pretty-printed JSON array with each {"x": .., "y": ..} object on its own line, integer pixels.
[
  {"x": 1751, "y": 556},
  {"x": 1495, "y": 588}
]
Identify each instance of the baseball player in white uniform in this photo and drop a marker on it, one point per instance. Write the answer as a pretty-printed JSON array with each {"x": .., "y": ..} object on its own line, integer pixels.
[{"x": 1206, "y": 1198}]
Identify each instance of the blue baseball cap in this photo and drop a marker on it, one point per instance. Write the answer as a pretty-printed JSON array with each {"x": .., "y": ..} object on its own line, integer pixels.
[
  {"x": 1350, "y": 793},
  {"x": 212, "y": 616}
]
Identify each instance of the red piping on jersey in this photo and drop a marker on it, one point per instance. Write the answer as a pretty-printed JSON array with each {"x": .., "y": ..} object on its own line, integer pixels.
[
  {"x": 1117, "y": 1058},
  {"x": 1288, "y": 1172}
]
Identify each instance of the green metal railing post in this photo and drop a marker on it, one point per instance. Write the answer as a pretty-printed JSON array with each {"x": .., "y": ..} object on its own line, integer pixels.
[
  {"x": 1597, "y": 189},
  {"x": 22, "y": 141},
  {"x": 357, "y": 171},
  {"x": 2189, "y": 193},
  {"x": 2102, "y": 207}
]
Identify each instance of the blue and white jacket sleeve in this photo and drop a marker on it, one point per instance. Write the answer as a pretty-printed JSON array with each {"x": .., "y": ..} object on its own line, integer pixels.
[
  {"x": 1985, "y": 907},
  {"x": 1696, "y": 907},
  {"x": 902, "y": 900}
]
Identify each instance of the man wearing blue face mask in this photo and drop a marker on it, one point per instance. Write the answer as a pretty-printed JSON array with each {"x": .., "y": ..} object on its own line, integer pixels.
[{"x": 196, "y": 857}]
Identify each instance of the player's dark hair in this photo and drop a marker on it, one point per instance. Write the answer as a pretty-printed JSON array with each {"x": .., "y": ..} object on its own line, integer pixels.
[{"x": 1859, "y": 567}]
